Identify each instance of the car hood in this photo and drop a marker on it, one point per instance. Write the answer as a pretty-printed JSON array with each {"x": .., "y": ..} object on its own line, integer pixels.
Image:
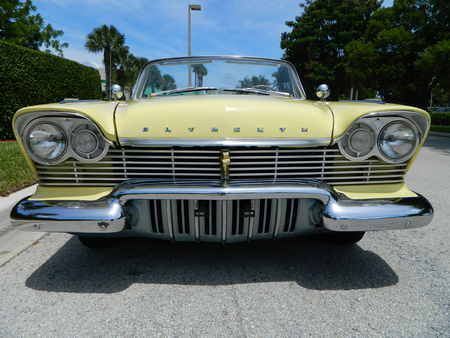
[{"x": 222, "y": 117}]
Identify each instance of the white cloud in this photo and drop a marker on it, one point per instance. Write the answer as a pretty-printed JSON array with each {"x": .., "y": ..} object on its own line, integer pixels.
[{"x": 158, "y": 28}]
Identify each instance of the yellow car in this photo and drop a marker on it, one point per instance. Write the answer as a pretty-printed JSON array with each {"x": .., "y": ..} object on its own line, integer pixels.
[{"x": 220, "y": 149}]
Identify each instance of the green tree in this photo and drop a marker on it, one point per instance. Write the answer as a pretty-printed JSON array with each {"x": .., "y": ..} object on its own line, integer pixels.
[
  {"x": 200, "y": 71},
  {"x": 248, "y": 82},
  {"x": 404, "y": 52},
  {"x": 132, "y": 66},
  {"x": 119, "y": 62},
  {"x": 316, "y": 44},
  {"x": 109, "y": 40},
  {"x": 19, "y": 26},
  {"x": 154, "y": 78},
  {"x": 168, "y": 82},
  {"x": 282, "y": 81}
]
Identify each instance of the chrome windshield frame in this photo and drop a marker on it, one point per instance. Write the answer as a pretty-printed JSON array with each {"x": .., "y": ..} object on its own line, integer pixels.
[{"x": 295, "y": 79}]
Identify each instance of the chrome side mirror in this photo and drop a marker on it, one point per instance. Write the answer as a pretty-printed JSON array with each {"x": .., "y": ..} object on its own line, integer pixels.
[
  {"x": 322, "y": 92},
  {"x": 117, "y": 92}
]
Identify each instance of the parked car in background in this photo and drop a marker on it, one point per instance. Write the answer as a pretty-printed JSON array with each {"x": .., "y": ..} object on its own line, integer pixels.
[
  {"x": 220, "y": 149},
  {"x": 442, "y": 110}
]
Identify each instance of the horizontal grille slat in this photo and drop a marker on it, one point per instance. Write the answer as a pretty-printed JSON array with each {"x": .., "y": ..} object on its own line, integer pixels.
[{"x": 197, "y": 163}]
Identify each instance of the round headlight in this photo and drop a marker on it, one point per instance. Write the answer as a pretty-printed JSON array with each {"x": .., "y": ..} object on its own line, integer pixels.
[
  {"x": 359, "y": 141},
  {"x": 86, "y": 142},
  {"x": 47, "y": 142},
  {"x": 398, "y": 141}
]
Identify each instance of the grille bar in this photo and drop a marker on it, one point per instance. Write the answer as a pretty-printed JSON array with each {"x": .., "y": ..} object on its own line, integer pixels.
[{"x": 197, "y": 163}]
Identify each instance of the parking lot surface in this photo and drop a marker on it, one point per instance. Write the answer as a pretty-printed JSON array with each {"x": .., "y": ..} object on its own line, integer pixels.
[{"x": 391, "y": 284}]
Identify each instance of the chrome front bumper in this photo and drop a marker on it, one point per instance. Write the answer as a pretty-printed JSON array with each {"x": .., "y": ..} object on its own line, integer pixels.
[{"x": 111, "y": 214}]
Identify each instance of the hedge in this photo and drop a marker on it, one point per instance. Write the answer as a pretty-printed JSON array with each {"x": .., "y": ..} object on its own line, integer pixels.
[
  {"x": 440, "y": 119},
  {"x": 29, "y": 77}
]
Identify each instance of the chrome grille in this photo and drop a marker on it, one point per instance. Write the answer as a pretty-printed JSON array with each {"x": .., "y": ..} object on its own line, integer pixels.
[{"x": 200, "y": 163}]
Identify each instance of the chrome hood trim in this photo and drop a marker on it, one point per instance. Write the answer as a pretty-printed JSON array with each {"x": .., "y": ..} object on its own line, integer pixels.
[{"x": 211, "y": 142}]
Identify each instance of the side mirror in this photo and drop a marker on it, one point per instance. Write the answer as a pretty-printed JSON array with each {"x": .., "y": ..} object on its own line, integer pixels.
[
  {"x": 322, "y": 92},
  {"x": 117, "y": 91}
]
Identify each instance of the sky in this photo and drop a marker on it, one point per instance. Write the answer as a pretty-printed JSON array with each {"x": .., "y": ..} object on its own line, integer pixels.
[{"x": 159, "y": 28}]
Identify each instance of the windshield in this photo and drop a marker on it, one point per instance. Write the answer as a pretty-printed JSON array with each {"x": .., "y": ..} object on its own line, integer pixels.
[{"x": 218, "y": 75}]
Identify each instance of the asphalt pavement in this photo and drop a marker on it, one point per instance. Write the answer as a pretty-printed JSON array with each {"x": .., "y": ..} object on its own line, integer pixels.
[
  {"x": 391, "y": 284},
  {"x": 13, "y": 242}
]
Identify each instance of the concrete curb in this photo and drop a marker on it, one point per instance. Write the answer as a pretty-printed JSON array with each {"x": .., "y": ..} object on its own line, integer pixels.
[
  {"x": 13, "y": 242},
  {"x": 435, "y": 133}
]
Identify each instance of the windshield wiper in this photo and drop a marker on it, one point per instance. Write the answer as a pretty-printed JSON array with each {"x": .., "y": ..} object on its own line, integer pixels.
[
  {"x": 255, "y": 91},
  {"x": 183, "y": 90}
]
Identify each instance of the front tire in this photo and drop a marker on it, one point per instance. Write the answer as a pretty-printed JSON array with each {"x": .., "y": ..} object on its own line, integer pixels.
[
  {"x": 98, "y": 242},
  {"x": 343, "y": 238}
]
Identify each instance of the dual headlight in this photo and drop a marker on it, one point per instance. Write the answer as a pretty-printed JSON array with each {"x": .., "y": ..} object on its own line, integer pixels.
[
  {"x": 53, "y": 140},
  {"x": 390, "y": 140}
]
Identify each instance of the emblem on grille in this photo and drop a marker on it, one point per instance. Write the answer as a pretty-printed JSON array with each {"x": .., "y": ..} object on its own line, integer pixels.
[{"x": 224, "y": 166}]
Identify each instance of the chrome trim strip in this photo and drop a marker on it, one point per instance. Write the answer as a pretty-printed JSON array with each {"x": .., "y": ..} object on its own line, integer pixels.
[
  {"x": 224, "y": 221},
  {"x": 169, "y": 220},
  {"x": 107, "y": 215},
  {"x": 250, "y": 226},
  {"x": 277, "y": 224},
  {"x": 212, "y": 142},
  {"x": 196, "y": 224}
]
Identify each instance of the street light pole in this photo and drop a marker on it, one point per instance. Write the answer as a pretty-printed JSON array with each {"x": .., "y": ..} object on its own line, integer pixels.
[{"x": 194, "y": 8}]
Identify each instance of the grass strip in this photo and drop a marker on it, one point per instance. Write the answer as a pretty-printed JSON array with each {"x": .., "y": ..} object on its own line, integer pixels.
[
  {"x": 15, "y": 173},
  {"x": 440, "y": 129}
]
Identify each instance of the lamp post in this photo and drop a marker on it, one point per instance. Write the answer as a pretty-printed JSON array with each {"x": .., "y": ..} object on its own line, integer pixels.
[{"x": 194, "y": 8}]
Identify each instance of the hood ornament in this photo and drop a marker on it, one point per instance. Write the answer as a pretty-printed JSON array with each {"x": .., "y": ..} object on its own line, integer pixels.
[{"x": 225, "y": 166}]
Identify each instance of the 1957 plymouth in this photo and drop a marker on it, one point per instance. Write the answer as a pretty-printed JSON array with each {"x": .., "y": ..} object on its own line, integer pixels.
[{"x": 220, "y": 149}]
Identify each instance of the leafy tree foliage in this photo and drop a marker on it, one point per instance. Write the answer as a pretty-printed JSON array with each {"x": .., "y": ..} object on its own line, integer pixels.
[
  {"x": 253, "y": 81},
  {"x": 168, "y": 82},
  {"x": 316, "y": 44},
  {"x": 282, "y": 81},
  {"x": 19, "y": 26},
  {"x": 29, "y": 77},
  {"x": 405, "y": 52},
  {"x": 132, "y": 66},
  {"x": 106, "y": 39}
]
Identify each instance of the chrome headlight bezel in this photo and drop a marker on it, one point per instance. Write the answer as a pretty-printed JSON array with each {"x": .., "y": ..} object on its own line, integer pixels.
[
  {"x": 414, "y": 144},
  {"x": 348, "y": 143},
  {"x": 71, "y": 126},
  {"x": 62, "y": 139},
  {"x": 377, "y": 125}
]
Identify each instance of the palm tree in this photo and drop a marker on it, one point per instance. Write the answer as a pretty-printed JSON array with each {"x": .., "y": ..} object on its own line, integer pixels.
[
  {"x": 154, "y": 78},
  {"x": 133, "y": 65},
  {"x": 120, "y": 59},
  {"x": 109, "y": 40},
  {"x": 168, "y": 82},
  {"x": 200, "y": 71}
]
